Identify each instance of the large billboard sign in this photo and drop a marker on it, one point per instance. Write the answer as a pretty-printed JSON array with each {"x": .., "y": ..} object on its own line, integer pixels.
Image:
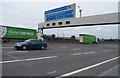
[
  {"x": 68, "y": 11},
  {"x": 10, "y": 32}
]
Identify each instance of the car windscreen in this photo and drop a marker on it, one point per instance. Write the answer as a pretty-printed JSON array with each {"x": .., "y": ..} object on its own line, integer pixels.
[{"x": 27, "y": 41}]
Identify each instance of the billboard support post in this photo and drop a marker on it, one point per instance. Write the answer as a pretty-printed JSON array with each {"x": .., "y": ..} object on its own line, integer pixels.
[
  {"x": 80, "y": 13},
  {"x": 40, "y": 34},
  {"x": 80, "y": 10},
  {"x": 42, "y": 31}
]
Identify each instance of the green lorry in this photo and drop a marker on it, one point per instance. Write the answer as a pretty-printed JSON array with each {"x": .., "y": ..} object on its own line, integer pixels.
[
  {"x": 17, "y": 33},
  {"x": 85, "y": 38}
]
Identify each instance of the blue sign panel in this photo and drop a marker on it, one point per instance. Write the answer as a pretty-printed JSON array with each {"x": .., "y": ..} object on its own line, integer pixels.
[{"x": 60, "y": 13}]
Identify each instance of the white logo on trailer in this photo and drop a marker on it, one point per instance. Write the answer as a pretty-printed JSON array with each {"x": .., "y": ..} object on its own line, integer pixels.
[{"x": 3, "y": 31}]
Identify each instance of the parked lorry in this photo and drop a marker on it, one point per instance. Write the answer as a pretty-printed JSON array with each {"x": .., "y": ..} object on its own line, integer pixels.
[{"x": 85, "y": 38}]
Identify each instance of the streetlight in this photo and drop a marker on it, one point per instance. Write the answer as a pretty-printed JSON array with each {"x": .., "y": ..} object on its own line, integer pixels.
[
  {"x": 58, "y": 32},
  {"x": 63, "y": 35},
  {"x": 80, "y": 10}
]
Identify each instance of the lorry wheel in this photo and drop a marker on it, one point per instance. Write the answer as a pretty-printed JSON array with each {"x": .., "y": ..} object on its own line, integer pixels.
[{"x": 94, "y": 42}]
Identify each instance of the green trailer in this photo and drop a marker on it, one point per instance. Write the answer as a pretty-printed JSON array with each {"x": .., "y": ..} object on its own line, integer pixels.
[
  {"x": 17, "y": 33},
  {"x": 85, "y": 38}
]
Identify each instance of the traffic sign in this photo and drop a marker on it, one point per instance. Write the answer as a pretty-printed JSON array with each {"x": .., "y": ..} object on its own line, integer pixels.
[{"x": 60, "y": 13}]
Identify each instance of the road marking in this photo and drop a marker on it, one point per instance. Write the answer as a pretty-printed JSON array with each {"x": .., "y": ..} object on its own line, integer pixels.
[
  {"x": 7, "y": 47},
  {"x": 76, "y": 49},
  {"x": 86, "y": 68},
  {"x": 77, "y": 54},
  {"x": 107, "y": 50},
  {"x": 92, "y": 52},
  {"x": 89, "y": 53},
  {"x": 52, "y": 72},
  {"x": 31, "y": 59},
  {"x": 111, "y": 50},
  {"x": 63, "y": 47},
  {"x": 83, "y": 53},
  {"x": 17, "y": 51}
]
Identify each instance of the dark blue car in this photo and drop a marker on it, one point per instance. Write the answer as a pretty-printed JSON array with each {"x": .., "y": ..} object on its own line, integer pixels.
[{"x": 31, "y": 44}]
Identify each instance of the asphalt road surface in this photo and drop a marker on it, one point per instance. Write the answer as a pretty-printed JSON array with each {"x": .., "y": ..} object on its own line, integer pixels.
[{"x": 60, "y": 60}]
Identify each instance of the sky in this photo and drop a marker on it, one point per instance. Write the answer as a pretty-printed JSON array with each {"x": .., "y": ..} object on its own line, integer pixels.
[{"x": 27, "y": 14}]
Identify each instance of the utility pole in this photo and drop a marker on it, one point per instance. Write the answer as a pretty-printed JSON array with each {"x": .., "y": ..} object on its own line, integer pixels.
[
  {"x": 80, "y": 11},
  {"x": 63, "y": 35},
  {"x": 58, "y": 32}
]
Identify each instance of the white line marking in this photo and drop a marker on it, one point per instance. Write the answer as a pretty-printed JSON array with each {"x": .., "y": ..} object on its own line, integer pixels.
[
  {"x": 111, "y": 50},
  {"x": 83, "y": 53},
  {"x": 86, "y": 68},
  {"x": 76, "y": 49},
  {"x": 77, "y": 54},
  {"x": 17, "y": 51},
  {"x": 89, "y": 53},
  {"x": 92, "y": 52},
  {"x": 63, "y": 47},
  {"x": 52, "y": 72},
  {"x": 107, "y": 50},
  {"x": 9, "y": 61},
  {"x": 7, "y": 47},
  {"x": 28, "y": 59}
]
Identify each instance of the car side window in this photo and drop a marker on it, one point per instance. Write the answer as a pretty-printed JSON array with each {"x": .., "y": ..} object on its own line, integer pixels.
[
  {"x": 33, "y": 42},
  {"x": 39, "y": 41}
]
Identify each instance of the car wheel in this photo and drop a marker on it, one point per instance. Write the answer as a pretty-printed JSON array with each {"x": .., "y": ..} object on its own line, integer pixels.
[
  {"x": 42, "y": 47},
  {"x": 24, "y": 47}
]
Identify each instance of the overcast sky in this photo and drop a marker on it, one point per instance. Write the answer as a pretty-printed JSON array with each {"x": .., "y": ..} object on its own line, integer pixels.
[{"x": 28, "y": 14}]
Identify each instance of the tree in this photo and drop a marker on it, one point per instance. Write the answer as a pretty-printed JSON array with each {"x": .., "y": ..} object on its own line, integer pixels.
[
  {"x": 46, "y": 37},
  {"x": 53, "y": 36},
  {"x": 72, "y": 37}
]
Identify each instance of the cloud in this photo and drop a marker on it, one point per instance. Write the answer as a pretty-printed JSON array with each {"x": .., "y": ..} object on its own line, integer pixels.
[
  {"x": 29, "y": 14},
  {"x": 99, "y": 31},
  {"x": 59, "y": 1}
]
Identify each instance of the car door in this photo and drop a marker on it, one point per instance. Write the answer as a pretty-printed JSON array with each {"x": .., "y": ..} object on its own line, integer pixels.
[
  {"x": 33, "y": 44},
  {"x": 39, "y": 44}
]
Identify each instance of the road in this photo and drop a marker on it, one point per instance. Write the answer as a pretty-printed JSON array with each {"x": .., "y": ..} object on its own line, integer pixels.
[{"x": 60, "y": 60}]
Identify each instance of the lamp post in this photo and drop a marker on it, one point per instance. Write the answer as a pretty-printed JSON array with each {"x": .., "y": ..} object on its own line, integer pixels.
[
  {"x": 58, "y": 32},
  {"x": 80, "y": 10}
]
